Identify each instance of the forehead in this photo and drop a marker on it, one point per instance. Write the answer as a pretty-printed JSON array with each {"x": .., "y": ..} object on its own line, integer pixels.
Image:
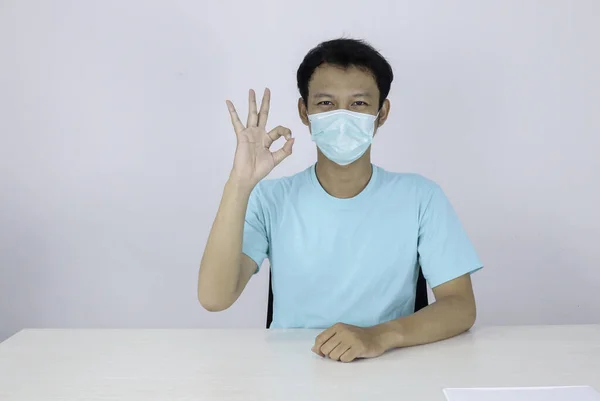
[{"x": 338, "y": 81}]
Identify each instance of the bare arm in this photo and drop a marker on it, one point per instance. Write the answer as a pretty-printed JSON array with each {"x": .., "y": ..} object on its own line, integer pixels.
[
  {"x": 452, "y": 313},
  {"x": 224, "y": 269}
]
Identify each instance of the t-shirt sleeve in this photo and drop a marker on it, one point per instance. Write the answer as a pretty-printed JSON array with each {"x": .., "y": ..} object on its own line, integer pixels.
[
  {"x": 255, "y": 241},
  {"x": 444, "y": 249}
]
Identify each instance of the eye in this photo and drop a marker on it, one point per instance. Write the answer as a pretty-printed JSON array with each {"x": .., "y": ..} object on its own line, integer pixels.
[
  {"x": 359, "y": 103},
  {"x": 325, "y": 103}
]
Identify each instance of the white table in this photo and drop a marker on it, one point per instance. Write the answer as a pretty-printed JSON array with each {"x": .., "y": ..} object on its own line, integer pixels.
[{"x": 249, "y": 365}]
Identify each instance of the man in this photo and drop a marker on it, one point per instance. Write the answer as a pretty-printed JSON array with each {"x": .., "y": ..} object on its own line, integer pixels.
[{"x": 345, "y": 238}]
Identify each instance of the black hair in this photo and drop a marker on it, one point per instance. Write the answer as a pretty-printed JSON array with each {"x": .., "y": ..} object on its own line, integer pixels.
[{"x": 346, "y": 53}]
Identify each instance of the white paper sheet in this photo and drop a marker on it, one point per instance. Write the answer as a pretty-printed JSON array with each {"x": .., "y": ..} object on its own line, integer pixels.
[{"x": 523, "y": 394}]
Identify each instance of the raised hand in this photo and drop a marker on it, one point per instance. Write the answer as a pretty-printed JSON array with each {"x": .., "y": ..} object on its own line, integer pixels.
[{"x": 253, "y": 158}]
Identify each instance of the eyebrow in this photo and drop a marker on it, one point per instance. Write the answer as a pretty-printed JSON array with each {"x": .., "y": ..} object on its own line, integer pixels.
[{"x": 360, "y": 94}]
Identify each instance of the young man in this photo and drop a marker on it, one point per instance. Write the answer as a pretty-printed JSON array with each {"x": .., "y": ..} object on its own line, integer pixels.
[{"x": 345, "y": 238}]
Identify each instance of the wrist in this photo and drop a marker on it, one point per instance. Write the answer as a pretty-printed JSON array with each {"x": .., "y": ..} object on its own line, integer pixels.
[
  {"x": 239, "y": 186},
  {"x": 389, "y": 334}
]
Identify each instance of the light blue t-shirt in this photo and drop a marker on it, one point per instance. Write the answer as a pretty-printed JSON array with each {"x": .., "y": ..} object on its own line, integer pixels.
[{"x": 354, "y": 260}]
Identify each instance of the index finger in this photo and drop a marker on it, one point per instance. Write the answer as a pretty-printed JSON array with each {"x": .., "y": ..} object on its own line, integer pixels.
[
  {"x": 265, "y": 104},
  {"x": 235, "y": 119},
  {"x": 322, "y": 339}
]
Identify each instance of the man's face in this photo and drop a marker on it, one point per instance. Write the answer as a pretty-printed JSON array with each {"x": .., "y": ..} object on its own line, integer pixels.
[{"x": 333, "y": 88}]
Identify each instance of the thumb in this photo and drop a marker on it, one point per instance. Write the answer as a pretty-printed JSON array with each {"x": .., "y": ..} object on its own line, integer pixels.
[{"x": 284, "y": 152}]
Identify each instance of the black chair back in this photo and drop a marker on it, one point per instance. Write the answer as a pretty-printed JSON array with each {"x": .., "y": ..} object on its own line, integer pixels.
[{"x": 421, "y": 299}]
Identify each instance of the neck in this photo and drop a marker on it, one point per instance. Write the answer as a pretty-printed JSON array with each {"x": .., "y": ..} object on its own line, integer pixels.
[{"x": 344, "y": 181}]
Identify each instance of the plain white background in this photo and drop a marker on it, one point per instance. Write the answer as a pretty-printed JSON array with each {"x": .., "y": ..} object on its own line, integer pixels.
[{"x": 115, "y": 144}]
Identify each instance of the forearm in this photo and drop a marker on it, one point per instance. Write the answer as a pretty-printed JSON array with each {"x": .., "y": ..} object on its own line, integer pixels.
[
  {"x": 220, "y": 267},
  {"x": 443, "y": 319}
]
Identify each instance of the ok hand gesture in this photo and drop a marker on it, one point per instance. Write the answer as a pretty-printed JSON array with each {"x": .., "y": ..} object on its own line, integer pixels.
[{"x": 253, "y": 158}]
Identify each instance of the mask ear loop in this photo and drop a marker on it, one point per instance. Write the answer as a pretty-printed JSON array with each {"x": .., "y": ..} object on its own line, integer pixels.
[{"x": 377, "y": 118}]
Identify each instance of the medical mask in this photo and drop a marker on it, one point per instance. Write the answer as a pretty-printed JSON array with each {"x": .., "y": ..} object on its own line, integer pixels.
[{"x": 343, "y": 136}]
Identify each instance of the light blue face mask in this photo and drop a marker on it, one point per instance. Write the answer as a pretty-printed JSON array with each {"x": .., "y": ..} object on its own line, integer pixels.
[{"x": 343, "y": 136}]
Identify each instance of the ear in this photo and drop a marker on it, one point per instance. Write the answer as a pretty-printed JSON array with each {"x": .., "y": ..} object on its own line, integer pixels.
[
  {"x": 384, "y": 112},
  {"x": 303, "y": 112}
]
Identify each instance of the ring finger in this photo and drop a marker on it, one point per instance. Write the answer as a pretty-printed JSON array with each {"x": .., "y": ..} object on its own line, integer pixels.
[{"x": 252, "y": 113}]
